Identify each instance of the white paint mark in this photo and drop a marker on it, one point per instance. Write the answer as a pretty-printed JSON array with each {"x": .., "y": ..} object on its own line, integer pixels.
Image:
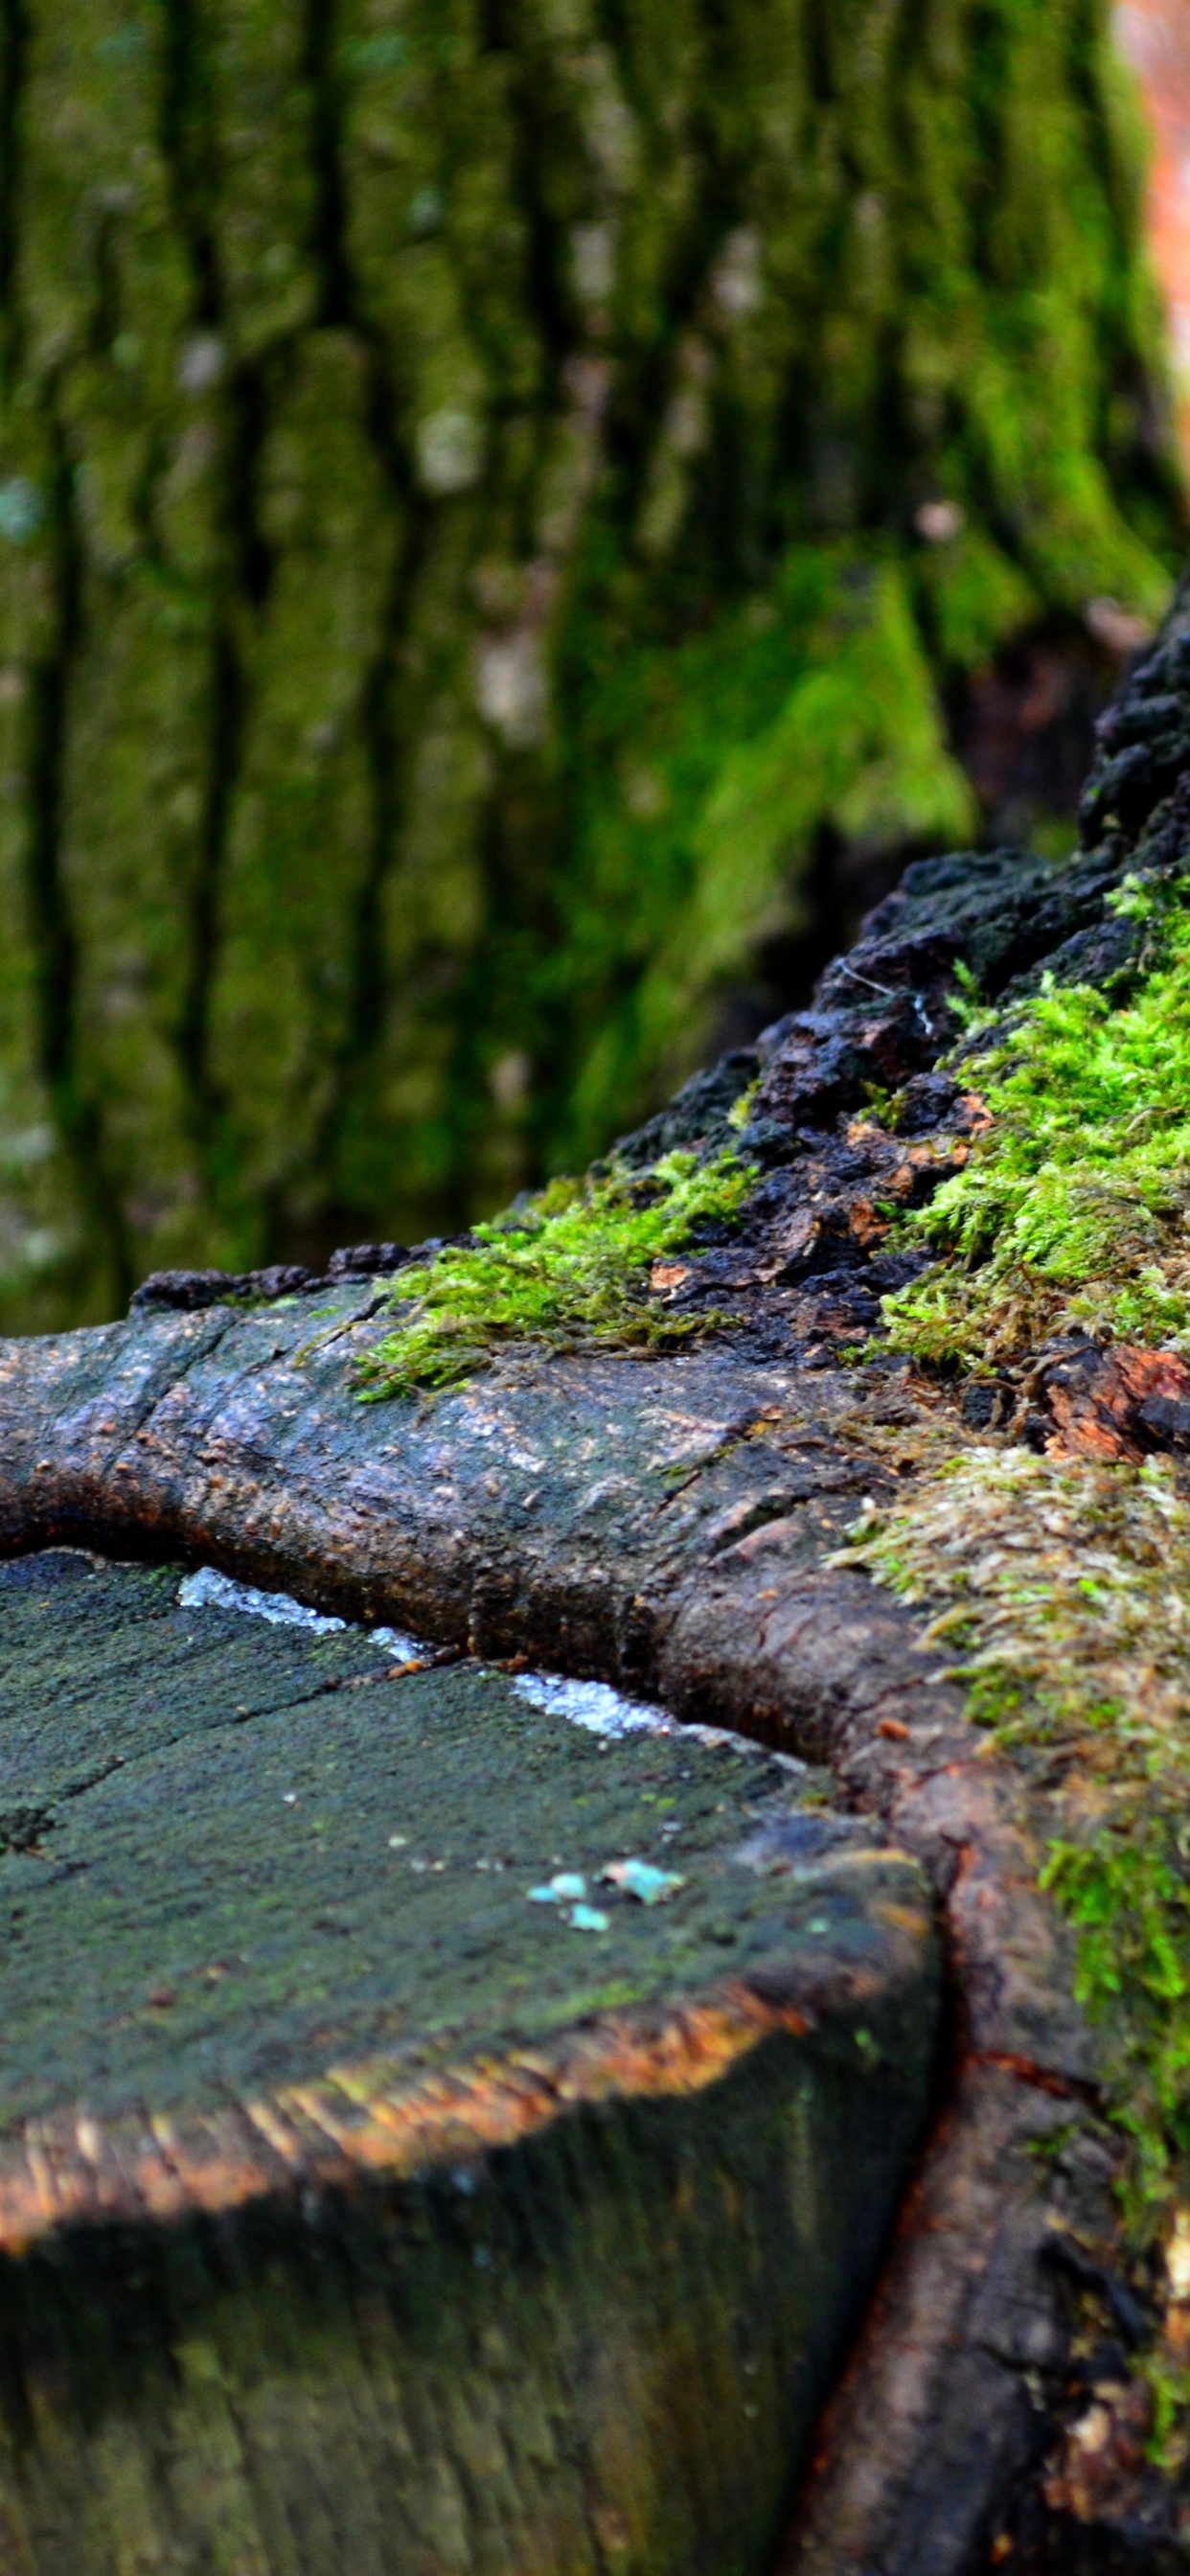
[
  {"x": 596, "y": 1706},
  {"x": 208, "y": 1590}
]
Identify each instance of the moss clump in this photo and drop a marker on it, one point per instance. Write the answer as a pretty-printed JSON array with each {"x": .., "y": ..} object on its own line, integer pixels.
[
  {"x": 1063, "y": 1587},
  {"x": 1074, "y": 1207},
  {"x": 570, "y": 1269},
  {"x": 815, "y": 709}
]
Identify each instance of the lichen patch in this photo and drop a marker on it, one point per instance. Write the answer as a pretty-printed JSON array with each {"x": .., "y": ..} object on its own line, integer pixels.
[{"x": 1061, "y": 1591}]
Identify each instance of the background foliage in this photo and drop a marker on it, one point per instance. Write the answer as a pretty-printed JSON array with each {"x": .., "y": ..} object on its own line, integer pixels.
[{"x": 500, "y": 502}]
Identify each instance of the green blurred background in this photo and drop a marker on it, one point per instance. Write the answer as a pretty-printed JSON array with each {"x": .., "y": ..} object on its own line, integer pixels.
[{"x": 516, "y": 518}]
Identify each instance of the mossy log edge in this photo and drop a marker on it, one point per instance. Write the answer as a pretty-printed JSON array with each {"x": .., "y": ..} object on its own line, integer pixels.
[
  {"x": 118, "y": 1437},
  {"x": 669, "y": 1524}
]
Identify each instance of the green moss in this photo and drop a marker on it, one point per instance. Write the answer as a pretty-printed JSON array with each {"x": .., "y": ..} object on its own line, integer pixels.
[
  {"x": 974, "y": 598},
  {"x": 1074, "y": 1207},
  {"x": 463, "y": 558},
  {"x": 816, "y": 709},
  {"x": 1061, "y": 1587},
  {"x": 571, "y": 1269}
]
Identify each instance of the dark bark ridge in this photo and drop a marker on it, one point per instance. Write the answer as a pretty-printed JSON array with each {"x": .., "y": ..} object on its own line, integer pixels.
[{"x": 669, "y": 1524}]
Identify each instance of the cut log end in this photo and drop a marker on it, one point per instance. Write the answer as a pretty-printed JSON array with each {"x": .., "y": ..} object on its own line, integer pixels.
[{"x": 427, "y": 2143}]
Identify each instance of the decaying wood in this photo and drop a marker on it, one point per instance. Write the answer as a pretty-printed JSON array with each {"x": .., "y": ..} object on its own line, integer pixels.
[
  {"x": 359, "y": 2202},
  {"x": 668, "y": 1524}
]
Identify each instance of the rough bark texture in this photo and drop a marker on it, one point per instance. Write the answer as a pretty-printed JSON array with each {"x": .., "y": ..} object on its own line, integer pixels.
[
  {"x": 669, "y": 1523},
  {"x": 496, "y": 506}
]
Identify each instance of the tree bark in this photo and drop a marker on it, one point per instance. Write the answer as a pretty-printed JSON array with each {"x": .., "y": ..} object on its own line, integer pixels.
[{"x": 496, "y": 507}]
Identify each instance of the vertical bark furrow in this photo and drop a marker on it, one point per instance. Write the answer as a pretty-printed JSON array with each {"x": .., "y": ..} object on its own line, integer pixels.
[
  {"x": 328, "y": 230},
  {"x": 387, "y": 733},
  {"x": 241, "y": 578},
  {"x": 484, "y": 423},
  {"x": 187, "y": 154}
]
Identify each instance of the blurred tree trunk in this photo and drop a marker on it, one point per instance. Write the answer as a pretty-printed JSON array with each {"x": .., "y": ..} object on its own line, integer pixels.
[{"x": 497, "y": 496}]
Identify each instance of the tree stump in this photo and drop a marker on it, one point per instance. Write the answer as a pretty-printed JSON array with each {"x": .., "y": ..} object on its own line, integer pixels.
[
  {"x": 668, "y": 1522},
  {"x": 436, "y": 2135}
]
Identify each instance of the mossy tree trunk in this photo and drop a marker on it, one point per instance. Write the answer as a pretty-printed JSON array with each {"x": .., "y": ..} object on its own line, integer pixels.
[{"x": 488, "y": 488}]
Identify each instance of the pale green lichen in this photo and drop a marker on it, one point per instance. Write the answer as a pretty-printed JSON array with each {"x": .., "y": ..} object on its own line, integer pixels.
[
  {"x": 1061, "y": 1590},
  {"x": 1062, "y": 1586},
  {"x": 1073, "y": 1209},
  {"x": 572, "y": 1269}
]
